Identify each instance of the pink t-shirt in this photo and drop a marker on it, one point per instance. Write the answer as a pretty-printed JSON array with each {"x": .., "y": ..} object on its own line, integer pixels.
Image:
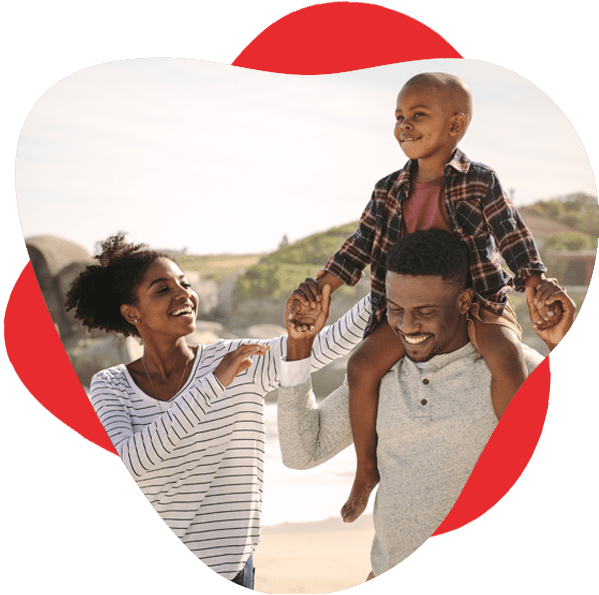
[{"x": 425, "y": 207}]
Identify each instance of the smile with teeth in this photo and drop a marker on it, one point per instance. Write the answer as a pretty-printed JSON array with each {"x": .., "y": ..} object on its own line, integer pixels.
[
  {"x": 415, "y": 340},
  {"x": 182, "y": 311}
]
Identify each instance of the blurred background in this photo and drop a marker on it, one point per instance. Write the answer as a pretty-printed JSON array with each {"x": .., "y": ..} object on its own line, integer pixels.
[{"x": 252, "y": 180}]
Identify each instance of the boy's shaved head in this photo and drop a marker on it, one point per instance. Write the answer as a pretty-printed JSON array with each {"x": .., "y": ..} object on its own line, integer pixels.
[{"x": 451, "y": 87}]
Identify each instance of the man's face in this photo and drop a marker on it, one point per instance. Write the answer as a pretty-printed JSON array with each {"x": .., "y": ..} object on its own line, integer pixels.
[{"x": 428, "y": 314}]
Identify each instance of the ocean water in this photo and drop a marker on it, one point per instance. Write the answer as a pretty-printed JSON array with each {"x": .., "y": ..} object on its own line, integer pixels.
[{"x": 292, "y": 496}]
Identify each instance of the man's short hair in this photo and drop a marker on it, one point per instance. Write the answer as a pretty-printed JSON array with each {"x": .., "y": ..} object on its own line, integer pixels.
[{"x": 431, "y": 252}]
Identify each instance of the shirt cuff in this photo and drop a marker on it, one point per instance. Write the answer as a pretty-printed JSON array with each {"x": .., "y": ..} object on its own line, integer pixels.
[{"x": 295, "y": 373}]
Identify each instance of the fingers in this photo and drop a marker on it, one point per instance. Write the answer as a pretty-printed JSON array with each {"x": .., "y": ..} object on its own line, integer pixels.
[
  {"x": 554, "y": 301},
  {"x": 310, "y": 289},
  {"x": 306, "y": 295},
  {"x": 544, "y": 289},
  {"x": 300, "y": 327},
  {"x": 242, "y": 354},
  {"x": 326, "y": 299},
  {"x": 238, "y": 360},
  {"x": 535, "y": 316}
]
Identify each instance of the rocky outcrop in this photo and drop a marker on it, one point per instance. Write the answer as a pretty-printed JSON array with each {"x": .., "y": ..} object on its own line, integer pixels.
[{"x": 222, "y": 314}]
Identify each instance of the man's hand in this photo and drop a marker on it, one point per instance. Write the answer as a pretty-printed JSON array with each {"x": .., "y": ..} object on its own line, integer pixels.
[
  {"x": 307, "y": 310},
  {"x": 549, "y": 313},
  {"x": 552, "y": 297},
  {"x": 307, "y": 293}
]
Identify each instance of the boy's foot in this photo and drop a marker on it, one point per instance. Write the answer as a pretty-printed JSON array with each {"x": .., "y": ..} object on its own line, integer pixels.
[{"x": 364, "y": 483}]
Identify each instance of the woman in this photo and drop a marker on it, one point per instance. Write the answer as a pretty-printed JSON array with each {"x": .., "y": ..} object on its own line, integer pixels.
[{"x": 188, "y": 421}]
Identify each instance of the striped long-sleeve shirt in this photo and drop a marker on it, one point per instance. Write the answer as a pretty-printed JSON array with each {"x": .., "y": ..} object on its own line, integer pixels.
[{"x": 200, "y": 462}]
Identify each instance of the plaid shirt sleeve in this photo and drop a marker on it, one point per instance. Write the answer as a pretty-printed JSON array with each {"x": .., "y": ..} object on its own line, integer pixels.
[
  {"x": 514, "y": 240},
  {"x": 355, "y": 255}
]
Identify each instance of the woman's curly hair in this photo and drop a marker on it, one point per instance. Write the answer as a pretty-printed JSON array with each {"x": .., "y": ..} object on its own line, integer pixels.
[{"x": 100, "y": 290}]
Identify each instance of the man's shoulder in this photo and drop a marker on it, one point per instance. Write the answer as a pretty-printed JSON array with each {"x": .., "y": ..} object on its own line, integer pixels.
[{"x": 532, "y": 357}]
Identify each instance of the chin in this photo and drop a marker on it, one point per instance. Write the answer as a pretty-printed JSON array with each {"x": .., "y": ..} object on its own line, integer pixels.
[{"x": 420, "y": 357}]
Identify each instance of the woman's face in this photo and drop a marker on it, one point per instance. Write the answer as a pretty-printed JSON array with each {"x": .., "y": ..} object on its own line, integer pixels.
[{"x": 166, "y": 303}]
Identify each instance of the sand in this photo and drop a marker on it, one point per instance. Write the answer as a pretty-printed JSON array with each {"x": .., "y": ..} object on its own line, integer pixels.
[{"x": 317, "y": 557}]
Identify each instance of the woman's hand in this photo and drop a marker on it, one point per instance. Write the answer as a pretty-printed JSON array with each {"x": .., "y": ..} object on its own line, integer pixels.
[{"x": 237, "y": 361}]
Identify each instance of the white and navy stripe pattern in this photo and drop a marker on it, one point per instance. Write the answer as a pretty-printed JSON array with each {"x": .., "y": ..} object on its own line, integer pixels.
[{"x": 200, "y": 462}]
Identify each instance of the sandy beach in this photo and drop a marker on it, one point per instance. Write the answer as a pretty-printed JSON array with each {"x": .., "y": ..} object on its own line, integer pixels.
[{"x": 313, "y": 557}]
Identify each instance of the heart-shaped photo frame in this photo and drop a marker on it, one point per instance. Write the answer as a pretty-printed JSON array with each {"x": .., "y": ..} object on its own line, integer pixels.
[{"x": 482, "y": 496}]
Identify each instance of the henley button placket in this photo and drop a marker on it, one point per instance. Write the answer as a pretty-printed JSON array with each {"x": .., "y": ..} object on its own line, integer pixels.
[{"x": 424, "y": 381}]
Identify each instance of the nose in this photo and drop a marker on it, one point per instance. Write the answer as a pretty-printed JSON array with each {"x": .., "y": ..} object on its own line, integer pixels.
[
  {"x": 184, "y": 292},
  {"x": 408, "y": 324},
  {"x": 405, "y": 124}
]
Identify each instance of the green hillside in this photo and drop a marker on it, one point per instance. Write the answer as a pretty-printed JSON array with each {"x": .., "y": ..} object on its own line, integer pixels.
[{"x": 277, "y": 274}]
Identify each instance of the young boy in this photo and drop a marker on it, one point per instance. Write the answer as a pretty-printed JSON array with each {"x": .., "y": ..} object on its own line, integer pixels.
[{"x": 438, "y": 188}]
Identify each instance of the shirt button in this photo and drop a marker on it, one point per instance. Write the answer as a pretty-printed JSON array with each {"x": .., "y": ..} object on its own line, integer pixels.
[
  {"x": 424, "y": 401},
  {"x": 425, "y": 381}
]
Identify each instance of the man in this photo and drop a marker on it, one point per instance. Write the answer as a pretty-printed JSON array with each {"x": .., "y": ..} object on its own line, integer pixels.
[{"x": 435, "y": 411}]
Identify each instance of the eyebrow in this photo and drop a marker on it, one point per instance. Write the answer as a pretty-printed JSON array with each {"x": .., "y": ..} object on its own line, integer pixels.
[
  {"x": 392, "y": 303},
  {"x": 420, "y": 106},
  {"x": 163, "y": 280}
]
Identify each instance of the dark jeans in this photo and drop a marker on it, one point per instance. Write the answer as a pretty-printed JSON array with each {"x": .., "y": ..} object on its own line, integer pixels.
[{"x": 245, "y": 577}]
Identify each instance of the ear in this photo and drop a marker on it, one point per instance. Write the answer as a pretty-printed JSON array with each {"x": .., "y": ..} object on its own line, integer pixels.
[
  {"x": 465, "y": 300},
  {"x": 458, "y": 124},
  {"x": 130, "y": 314}
]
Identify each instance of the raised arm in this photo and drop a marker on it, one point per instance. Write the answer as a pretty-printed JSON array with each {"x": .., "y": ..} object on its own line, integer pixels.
[
  {"x": 514, "y": 240},
  {"x": 310, "y": 434},
  {"x": 142, "y": 451},
  {"x": 333, "y": 341}
]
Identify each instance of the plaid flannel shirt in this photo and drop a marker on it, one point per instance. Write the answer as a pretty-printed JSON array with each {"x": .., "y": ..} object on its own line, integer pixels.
[{"x": 482, "y": 216}]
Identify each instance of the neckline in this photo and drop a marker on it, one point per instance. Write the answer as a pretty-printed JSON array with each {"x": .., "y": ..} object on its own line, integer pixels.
[
  {"x": 443, "y": 359},
  {"x": 436, "y": 183},
  {"x": 145, "y": 395}
]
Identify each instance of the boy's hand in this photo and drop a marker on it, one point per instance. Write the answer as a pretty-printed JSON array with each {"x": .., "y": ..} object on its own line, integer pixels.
[
  {"x": 307, "y": 294},
  {"x": 307, "y": 315},
  {"x": 554, "y": 297},
  {"x": 550, "y": 312}
]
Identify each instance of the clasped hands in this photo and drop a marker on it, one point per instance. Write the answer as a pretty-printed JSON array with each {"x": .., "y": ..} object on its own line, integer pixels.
[
  {"x": 307, "y": 309},
  {"x": 549, "y": 294}
]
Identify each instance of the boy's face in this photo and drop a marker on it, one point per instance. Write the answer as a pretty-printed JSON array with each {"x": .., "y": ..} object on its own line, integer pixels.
[{"x": 425, "y": 124}]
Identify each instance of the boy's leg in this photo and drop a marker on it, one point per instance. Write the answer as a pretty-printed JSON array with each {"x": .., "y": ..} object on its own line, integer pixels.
[
  {"x": 366, "y": 367},
  {"x": 502, "y": 351}
]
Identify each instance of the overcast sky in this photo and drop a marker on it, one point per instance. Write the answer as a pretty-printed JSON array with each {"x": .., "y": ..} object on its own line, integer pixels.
[{"x": 185, "y": 153}]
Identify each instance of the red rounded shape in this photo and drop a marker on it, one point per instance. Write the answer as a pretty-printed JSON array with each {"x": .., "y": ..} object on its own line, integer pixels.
[
  {"x": 48, "y": 373},
  {"x": 342, "y": 36},
  {"x": 507, "y": 453},
  {"x": 321, "y": 39}
]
